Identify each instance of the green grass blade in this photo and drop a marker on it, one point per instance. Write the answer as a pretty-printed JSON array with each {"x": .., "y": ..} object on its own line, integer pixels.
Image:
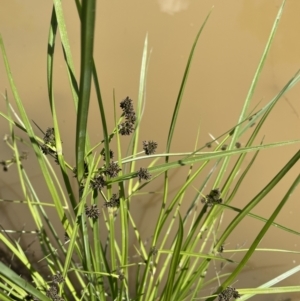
[
  {"x": 260, "y": 66},
  {"x": 67, "y": 51},
  {"x": 182, "y": 87},
  {"x": 141, "y": 98},
  {"x": 260, "y": 218},
  {"x": 107, "y": 138},
  {"x": 4, "y": 296},
  {"x": 102, "y": 113},
  {"x": 37, "y": 278},
  {"x": 174, "y": 264},
  {"x": 272, "y": 282},
  {"x": 265, "y": 112},
  {"x": 87, "y": 45},
  {"x": 250, "y": 93},
  {"x": 50, "y": 61},
  {"x": 200, "y": 157},
  {"x": 124, "y": 203},
  {"x": 18, "y": 281},
  {"x": 35, "y": 145},
  {"x": 259, "y": 237},
  {"x": 258, "y": 198},
  {"x": 159, "y": 222}
]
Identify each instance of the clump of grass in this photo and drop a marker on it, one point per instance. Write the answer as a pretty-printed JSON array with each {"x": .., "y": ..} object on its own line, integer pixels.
[{"x": 91, "y": 261}]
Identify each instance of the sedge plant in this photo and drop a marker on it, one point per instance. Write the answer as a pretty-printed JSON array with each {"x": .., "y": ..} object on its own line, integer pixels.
[{"x": 92, "y": 261}]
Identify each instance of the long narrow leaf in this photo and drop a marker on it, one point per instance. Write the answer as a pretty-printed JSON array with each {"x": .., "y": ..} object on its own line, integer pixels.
[{"x": 87, "y": 45}]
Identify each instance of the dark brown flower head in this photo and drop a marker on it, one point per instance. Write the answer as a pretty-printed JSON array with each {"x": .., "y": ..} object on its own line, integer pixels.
[
  {"x": 66, "y": 237},
  {"x": 49, "y": 143},
  {"x": 5, "y": 166},
  {"x": 58, "y": 278},
  {"x": 56, "y": 159},
  {"x": 238, "y": 144},
  {"x": 98, "y": 182},
  {"x": 126, "y": 128},
  {"x": 49, "y": 137},
  {"x": 92, "y": 212},
  {"x": 120, "y": 273},
  {"x": 131, "y": 118},
  {"x": 203, "y": 200},
  {"x": 7, "y": 163},
  {"x": 149, "y": 147},
  {"x": 111, "y": 154},
  {"x": 47, "y": 150},
  {"x": 86, "y": 170},
  {"x": 113, "y": 170},
  {"x": 228, "y": 293},
  {"x": 126, "y": 105},
  {"x": 52, "y": 292},
  {"x": 232, "y": 132},
  {"x": 215, "y": 194},
  {"x": 212, "y": 198},
  {"x": 143, "y": 174},
  {"x": 81, "y": 187},
  {"x": 224, "y": 147},
  {"x": 114, "y": 202},
  {"x": 121, "y": 277}
]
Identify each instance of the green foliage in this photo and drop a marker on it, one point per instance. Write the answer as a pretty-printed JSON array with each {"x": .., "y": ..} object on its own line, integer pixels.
[{"x": 94, "y": 263}]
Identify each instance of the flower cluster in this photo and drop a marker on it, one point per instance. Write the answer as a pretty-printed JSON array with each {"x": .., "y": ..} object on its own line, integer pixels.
[
  {"x": 114, "y": 202},
  {"x": 49, "y": 142},
  {"x": 113, "y": 169},
  {"x": 49, "y": 137},
  {"x": 143, "y": 174},
  {"x": 98, "y": 182},
  {"x": 149, "y": 147},
  {"x": 127, "y": 127},
  {"x": 92, "y": 212},
  {"x": 121, "y": 276},
  {"x": 86, "y": 170},
  {"x": 228, "y": 293},
  {"x": 53, "y": 294},
  {"x": 66, "y": 238},
  {"x": 238, "y": 144},
  {"x": 212, "y": 198},
  {"x": 221, "y": 249},
  {"x": 58, "y": 278},
  {"x": 111, "y": 154},
  {"x": 7, "y": 163},
  {"x": 126, "y": 106},
  {"x": 208, "y": 145}
]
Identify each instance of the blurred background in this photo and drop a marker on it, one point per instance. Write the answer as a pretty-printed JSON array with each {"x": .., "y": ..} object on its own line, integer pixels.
[{"x": 225, "y": 60}]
